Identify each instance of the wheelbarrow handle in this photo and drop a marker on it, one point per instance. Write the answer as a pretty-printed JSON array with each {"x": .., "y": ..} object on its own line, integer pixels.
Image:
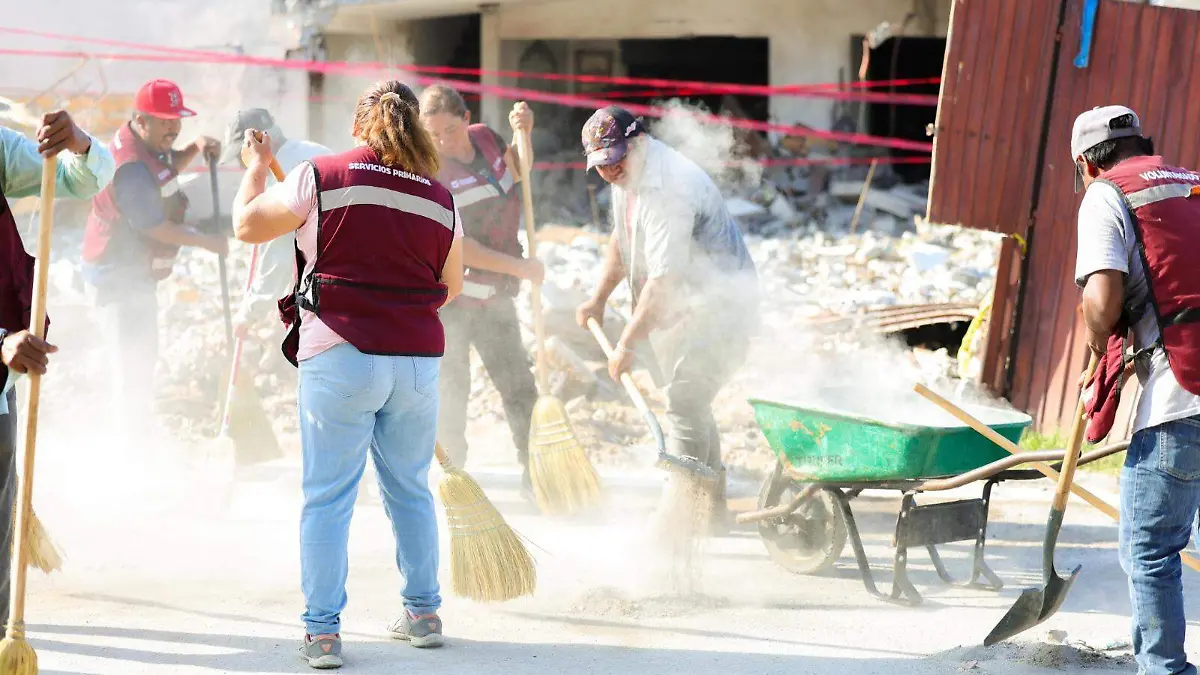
[
  {"x": 1045, "y": 469},
  {"x": 639, "y": 401}
]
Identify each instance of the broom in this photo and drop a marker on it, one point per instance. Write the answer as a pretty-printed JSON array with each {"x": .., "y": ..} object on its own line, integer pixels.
[
  {"x": 16, "y": 654},
  {"x": 564, "y": 481},
  {"x": 225, "y": 447},
  {"x": 488, "y": 562},
  {"x": 43, "y": 554}
]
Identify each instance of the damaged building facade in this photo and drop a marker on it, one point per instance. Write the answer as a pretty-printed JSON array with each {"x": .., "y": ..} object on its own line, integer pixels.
[{"x": 758, "y": 42}]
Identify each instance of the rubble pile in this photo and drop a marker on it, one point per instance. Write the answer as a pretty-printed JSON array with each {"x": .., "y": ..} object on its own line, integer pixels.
[
  {"x": 804, "y": 275},
  {"x": 808, "y": 269}
]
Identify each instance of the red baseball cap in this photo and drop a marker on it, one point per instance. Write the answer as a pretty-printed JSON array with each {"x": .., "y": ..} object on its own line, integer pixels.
[{"x": 161, "y": 98}]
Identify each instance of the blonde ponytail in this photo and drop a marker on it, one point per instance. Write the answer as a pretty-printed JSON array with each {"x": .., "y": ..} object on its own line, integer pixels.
[{"x": 387, "y": 119}]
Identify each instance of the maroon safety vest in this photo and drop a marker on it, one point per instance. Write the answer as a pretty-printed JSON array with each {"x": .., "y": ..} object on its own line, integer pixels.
[
  {"x": 383, "y": 235},
  {"x": 108, "y": 238},
  {"x": 16, "y": 274},
  {"x": 1164, "y": 204},
  {"x": 490, "y": 207}
]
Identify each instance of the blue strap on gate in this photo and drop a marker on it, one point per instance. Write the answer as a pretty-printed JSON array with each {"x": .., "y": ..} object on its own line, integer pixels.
[{"x": 1085, "y": 34}]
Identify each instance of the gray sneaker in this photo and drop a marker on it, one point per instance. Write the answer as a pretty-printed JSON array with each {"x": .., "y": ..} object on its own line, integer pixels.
[
  {"x": 420, "y": 631},
  {"x": 323, "y": 651}
]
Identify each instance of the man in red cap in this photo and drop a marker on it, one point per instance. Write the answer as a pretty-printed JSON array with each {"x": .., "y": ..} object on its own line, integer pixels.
[{"x": 136, "y": 228}]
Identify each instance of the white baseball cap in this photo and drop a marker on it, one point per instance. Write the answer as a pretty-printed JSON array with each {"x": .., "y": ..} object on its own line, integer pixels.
[{"x": 1098, "y": 125}]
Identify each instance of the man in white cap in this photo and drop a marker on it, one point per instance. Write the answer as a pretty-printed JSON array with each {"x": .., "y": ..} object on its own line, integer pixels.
[
  {"x": 274, "y": 276},
  {"x": 1139, "y": 230}
]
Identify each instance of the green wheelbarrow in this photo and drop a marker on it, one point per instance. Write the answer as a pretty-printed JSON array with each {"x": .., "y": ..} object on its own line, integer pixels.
[{"x": 828, "y": 456}]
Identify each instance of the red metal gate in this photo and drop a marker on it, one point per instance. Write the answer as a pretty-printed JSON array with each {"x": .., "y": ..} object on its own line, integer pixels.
[{"x": 1002, "y": 158}]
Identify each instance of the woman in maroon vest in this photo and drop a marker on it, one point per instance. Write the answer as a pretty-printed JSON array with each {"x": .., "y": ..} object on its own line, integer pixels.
[
  {"x": 378, "y": 254},
  {"x": 482, "y": 172}
]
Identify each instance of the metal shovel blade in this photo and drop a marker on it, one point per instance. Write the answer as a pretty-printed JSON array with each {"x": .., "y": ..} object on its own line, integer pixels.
[{"x": 1037, "y": 604}]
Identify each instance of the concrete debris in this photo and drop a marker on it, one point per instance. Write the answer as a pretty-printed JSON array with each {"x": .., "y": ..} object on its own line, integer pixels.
[
  {"x": 808, "y": 264},
  {"x": 925, "y": 257}
]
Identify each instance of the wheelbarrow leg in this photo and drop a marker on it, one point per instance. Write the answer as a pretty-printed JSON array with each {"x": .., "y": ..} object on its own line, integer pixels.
[
  {"x": 979, "y": 566},
  {"x": 901, "y": 584},
  {"x": 902, "y": 594}
]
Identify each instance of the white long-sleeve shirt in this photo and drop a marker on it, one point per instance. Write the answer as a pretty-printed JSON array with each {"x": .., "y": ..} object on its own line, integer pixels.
[{"x": 274, "y": 276}]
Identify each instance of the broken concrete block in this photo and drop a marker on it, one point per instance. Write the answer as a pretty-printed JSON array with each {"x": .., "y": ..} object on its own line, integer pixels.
[
  {"x": 887, "y": 224},
  {"x": 846, "y": 189},
  {"x": 782, "y": 209},
  {"x": 556, "y": 298},
  {"x": 925, "y": 257},
  {"x": 896, "y": 201}
]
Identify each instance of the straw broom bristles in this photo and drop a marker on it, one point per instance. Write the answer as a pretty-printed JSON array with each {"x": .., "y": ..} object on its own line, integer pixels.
[
  {"x": 564, "y": 480},
  {"x": 488, "y": 562},
  {"x": 43, "y": 554},
  {"x": 16, "y": 654}
]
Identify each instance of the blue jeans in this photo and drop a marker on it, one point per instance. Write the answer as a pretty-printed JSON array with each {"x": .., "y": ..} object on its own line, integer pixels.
[
  {"x": 1160, "y": 496},
  {"x": 349, "y": 402}
]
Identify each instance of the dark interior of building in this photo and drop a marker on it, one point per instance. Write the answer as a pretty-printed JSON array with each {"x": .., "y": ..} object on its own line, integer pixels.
[
  {"x": 703, "y": 59},
  {"x": 902, "y": 58}
]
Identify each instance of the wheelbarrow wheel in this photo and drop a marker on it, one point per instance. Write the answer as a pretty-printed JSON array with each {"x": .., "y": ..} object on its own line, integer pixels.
[{"x": 810, "y": 539}]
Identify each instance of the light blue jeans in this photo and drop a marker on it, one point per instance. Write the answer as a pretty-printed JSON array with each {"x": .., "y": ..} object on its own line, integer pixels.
[
  {"x": 1160, "y": 497},
  {"x": 349, "y": 402}
]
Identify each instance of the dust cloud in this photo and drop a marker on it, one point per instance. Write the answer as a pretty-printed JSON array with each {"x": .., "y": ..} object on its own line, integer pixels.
[
  {"x": 713, "y": 146},
  {"x": 135, "y": 503},
  {"x": 868, "y": 375}
]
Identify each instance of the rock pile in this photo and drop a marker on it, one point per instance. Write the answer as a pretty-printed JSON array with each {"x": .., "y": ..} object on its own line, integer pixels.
[{"x": 806, "y": 271}]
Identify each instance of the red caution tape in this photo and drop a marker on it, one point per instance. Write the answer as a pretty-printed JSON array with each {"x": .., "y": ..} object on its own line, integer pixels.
[
  {"x": 195, "y": 56},
  {"x": 768, "y": 162},
  {"x": 826, "y": 90}
]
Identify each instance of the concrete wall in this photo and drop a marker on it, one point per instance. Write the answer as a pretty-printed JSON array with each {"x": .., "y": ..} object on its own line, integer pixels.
[
  {"x": 809, "y": 40},
  {"x": 332, "y": 108},
  {"x": 399, "y": 44}
]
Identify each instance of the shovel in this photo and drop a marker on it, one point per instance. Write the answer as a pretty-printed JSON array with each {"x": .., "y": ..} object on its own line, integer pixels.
[
  {"x": 1038, "y": 604},
  {"x": 666, "y": 461},
  {"x": 1045, "y": 469}
]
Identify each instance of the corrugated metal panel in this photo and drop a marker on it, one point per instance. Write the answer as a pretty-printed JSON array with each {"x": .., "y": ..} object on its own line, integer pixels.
[
  {"x": 992, "y": 104},
  {"x": 1002, "y": 160},
  {"x": 1144, "y": 57}
]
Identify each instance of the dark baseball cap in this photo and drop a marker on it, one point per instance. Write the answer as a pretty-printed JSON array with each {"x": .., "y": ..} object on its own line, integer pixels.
[
  {"x": 1098, "y": 125},
  {"x": 252, "y": 118},
  {"x": 606, "y": 135}
]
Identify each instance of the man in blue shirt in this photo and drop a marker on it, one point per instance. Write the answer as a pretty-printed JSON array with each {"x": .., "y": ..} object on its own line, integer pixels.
[
  {"x": 84, "y": 169},
  {"x": 694, "y": 285},
  {"x": 134, "y": 232}
]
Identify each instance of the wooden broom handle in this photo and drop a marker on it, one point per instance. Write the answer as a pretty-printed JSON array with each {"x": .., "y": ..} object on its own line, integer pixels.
[
  {"x": 626, "y": 379},
  {"x": 442, "y": 457},
  {"x": 276, "y": 170},
  {"x": 37, "y": 325},
  {"x": 1045, "y": 469},
  {"x": 231, "y": 384},
  {"x": 539, "y": 321}
]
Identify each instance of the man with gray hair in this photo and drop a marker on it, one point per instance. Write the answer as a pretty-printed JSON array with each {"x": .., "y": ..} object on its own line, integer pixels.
[
  {"x": 274, "y": 276},
  {"x": 1136, "y": 264},
  {"x": 694, "y": 285}
]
